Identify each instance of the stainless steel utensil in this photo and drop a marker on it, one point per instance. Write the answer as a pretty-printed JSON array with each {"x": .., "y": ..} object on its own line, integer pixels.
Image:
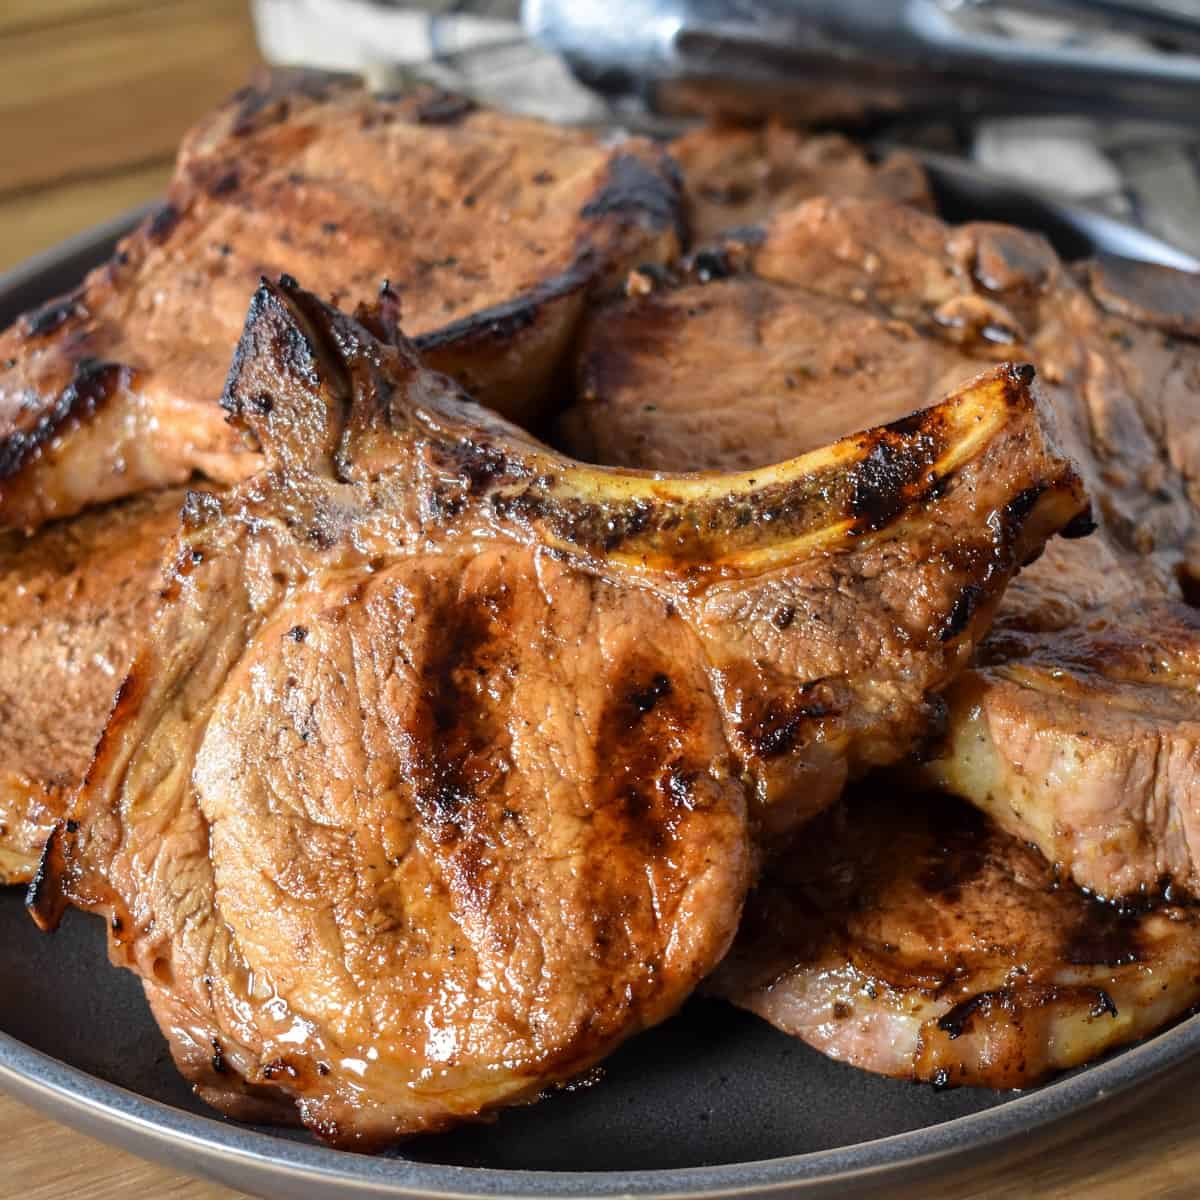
[
  {"x": 970, "y": 56},
  {"x": 966, "y": 192}
]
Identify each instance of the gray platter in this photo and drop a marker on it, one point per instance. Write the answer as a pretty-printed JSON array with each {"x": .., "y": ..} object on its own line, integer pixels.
[{"x": 714, "y": 1103}]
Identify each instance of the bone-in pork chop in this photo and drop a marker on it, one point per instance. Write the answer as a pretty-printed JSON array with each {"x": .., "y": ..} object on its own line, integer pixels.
[
  {"x": 737, "y": 176},
  {"x": 918, "y": 940},
  {"x": 74, "y": 598},
  {"x": 438, "y": 775},
  {"x": 490, "y": 230},
  {"x": 843, "y": 313}
]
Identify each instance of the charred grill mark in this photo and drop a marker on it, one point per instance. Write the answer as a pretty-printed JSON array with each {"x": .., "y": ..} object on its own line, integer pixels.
[
  {"x": 226, "y": 183},
  {"x": 289, "y": 1071},
  {"x": 94, "y": 383},
  {"x": 887, "y": 479},
  {"x": 633, "y": 190},
  {"x": 461, "y": 726},
  {"x": 266, "y": 101},
  {"x": 645, "y": 699},
  {"x": 958, "y": 1020},
  {"x": 645, "y": 785},
  {"x": 783, "y": 617},
  {"x": 708, "y": 265},
  {"x": 444, "y": 108},
  {"x": 461, "y": 739},
  {"x": 960, "y": 614},
  {"x": 53, "y": 315},
  {"x": 46, "y": 900},
  {"x": 1081, "y": 525},
  {"x": 782, "y": 724},
  {"x": 162, "y": 224},
  {"x": 1104, "y": 937},
  {"x": 777, "y": 732},
  {"x": 501, "y": 322},
  {"x": 479, "y": 465},
  {"x": 1017, "y": 510}
]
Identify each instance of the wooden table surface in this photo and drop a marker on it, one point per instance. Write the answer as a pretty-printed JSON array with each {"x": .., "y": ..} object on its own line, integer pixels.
[{"x": 94, "y": 95}]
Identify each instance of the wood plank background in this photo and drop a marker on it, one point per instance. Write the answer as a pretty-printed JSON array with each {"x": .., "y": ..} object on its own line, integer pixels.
[
  {"x": 93, "y": 99},
  {"x": 94, "y": 95}
]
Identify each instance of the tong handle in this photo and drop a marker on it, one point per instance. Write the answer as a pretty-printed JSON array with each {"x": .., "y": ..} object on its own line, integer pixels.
[
  {"x": 924, "y": 49},
  {"x": 1171, "y": 24}
]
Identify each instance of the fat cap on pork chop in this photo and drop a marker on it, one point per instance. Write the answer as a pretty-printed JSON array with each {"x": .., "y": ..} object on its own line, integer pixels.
[
  {"x": 919, "y": 940},
  {"x": 844, "y": 313},
  {"x": 490, "y": 231},
  {"x": 74, "y": 599},
  {"x": 438, "y": 774}
]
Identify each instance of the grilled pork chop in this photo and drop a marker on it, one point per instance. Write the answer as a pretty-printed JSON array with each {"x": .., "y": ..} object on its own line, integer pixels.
[
  {"x": 920, "y": 941},
  {"x": 738, "y": 176},
  {"x": 342, "y": 157},
  {"x": 1080, "y": 737},
  {"x": 432, "y": 782},
  {"x": 490, "y": 230},
  {"x": 73, "y": 600}
]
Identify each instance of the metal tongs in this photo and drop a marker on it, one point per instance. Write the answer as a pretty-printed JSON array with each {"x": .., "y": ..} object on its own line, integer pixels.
[{"x": 974, "y": 57}]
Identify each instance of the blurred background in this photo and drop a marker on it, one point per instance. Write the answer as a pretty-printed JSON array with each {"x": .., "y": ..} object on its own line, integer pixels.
[{"x": 95, "y": 95}]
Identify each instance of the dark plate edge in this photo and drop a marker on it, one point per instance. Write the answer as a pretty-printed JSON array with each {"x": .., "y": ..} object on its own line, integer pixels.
[
  {"x": 235, "y": 1154},
  {"x": 68, "y": 262}
]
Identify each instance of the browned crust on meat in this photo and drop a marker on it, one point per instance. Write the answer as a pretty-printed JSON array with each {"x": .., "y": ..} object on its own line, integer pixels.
[
  {"x": 72, "y": 356},
  {"x": 504, "y": 706},
  {"x": 61, "y": 879},
  {"x": 74, "y": 598},
  {"x": 92, "y": 384},
  {"x": 737, "y": 176},
  {"x": 923, "y": 942},
  {"x": 1147, "y": 293}
]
